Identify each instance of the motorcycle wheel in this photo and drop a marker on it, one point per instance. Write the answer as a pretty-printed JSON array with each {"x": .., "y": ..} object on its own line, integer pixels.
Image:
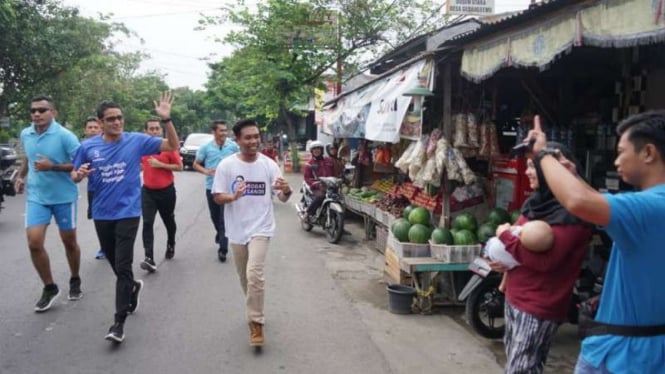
[
  {"x": 334, "y": 226},
  {"x": 485, "y": 308},
  {"x": 305, "y": 226}
]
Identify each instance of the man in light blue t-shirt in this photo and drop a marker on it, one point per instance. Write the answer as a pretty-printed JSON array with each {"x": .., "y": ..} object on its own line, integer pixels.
[
  {"x": 113, "y": 160},
  {"x": 629, "y": 331},
  {"x": 207, "y": 159},
  {"x": 44, "y": 174}
]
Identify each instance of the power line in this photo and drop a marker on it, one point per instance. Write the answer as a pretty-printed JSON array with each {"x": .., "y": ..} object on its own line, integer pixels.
[
  {"x": 164, "y": 14},
  {"x": 164, "y": 52}
]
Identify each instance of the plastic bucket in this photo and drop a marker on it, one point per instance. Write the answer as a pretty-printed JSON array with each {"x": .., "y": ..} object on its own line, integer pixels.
[{"x": 400, "y": 298}]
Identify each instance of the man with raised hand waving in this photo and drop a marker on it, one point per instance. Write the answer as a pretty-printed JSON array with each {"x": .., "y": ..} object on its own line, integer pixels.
[{"x": 115, "y": 161}]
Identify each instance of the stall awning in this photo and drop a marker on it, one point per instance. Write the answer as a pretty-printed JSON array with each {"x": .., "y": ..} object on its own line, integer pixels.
[
  {"x": 604, "y": 23},
  {"x": 376, "y": 110}
]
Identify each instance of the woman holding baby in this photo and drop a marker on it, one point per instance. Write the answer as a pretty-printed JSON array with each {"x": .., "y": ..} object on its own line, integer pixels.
[{"x": 548, "y": 246}]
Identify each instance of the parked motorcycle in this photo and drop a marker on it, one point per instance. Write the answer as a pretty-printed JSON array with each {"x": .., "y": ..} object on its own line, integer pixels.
[
  {"x": 330, "y": 215},
  {"x": 484, "y": 307},
  {"x": 7, "y": 173}
]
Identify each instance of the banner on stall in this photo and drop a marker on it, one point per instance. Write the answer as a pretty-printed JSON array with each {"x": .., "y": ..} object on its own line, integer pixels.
[
  {"x": 348, "y": 117},
  {"x": 606, "y": 23},
  {"x": 412, "y": 122},
  {"x": 389, "y": 105},
  {"x": 321, "y": 96},
  {"x": 377, "y": 111}
]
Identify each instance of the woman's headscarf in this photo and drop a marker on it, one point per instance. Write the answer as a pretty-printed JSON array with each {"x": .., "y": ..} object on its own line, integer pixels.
[{"x": 542, "y": 204}]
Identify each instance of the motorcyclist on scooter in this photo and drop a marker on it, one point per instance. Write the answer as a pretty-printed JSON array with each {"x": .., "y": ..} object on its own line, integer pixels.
[{"x": 318, "y": 166}]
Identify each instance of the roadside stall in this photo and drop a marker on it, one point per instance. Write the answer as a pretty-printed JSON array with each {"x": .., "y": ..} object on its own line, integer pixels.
[{"x": 408, "y": 174}]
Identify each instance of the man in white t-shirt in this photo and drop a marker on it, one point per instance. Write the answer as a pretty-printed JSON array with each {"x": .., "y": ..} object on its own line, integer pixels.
[{"x": 244, "y": 183}]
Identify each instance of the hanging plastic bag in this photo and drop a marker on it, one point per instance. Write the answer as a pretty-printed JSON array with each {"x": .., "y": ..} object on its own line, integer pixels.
[
  {"x": 459, "y": 128},
  {"x": 472, "y": 131},
  {"x": 403, "y": 162}
]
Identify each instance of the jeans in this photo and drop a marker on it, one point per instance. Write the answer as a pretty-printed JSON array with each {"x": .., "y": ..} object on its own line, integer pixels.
[
  {"x": 250, "y": 261},
  {"x": 217, "y": 217},
  {"x": 117, "y": 238},
  {"x": 584, "y": 367},
  {"x": 162, "y": 201}
]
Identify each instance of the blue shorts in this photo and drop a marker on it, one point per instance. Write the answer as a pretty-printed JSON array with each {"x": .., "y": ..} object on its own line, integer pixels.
[{"x": 37, "y": 214}]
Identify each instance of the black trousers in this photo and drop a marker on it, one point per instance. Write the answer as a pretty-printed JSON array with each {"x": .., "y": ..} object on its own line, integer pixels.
[
  {"x": 117, "y": 238},
  {"x": 90, "y": 194},
  {"x": 217, "y": 217},
  {"x": 162, "y": 201},
  {"x": 317, "y": 199}
]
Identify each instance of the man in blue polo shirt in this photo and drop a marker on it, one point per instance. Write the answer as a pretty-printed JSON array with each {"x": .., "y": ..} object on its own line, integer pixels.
[
  {"x": 49, "y": 149},
  {"x": 113, "y": 160},
  {"x": 628, "y": 334},
  {"x": 207, "y": 159}
]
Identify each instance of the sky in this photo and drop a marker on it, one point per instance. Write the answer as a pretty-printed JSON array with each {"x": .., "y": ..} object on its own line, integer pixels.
[{"x": 167, "y": 29}]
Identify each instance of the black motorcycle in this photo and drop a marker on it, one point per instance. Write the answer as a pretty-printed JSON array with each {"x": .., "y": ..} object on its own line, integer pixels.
[
  {"x": 330, "y": 215},
  {"x": 484, "y": 303},
  {"x": 7, "y": 173}
]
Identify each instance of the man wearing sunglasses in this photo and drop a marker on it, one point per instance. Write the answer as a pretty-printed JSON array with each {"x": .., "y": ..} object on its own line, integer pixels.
[
  {"x": 114, "y": 162},
  {"x": 49, "y": 149}
]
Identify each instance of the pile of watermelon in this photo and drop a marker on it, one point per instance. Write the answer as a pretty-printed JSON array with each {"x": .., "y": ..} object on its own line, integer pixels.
[
  {"x": 496, "y": 217},
  {"x": 414, "y": 227}
]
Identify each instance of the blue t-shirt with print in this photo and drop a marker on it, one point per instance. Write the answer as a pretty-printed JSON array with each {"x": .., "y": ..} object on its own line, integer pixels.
[
  {"x": 59, "y": 145},
  {"x": 632, "y": 292},
  {"x": 116, "y": 178},
  {"x": 211, "y": 154}
]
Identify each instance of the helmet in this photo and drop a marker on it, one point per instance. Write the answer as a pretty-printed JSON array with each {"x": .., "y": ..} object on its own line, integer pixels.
[{"x": 315, "y": 144}]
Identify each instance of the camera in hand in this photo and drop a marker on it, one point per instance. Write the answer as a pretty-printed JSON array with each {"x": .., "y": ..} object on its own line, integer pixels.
[{"x": 522, "y": 149}]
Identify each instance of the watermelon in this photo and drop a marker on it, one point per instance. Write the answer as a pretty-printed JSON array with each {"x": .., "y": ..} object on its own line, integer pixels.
[
  {"x": 419, "y": 234},
  {"x": 465, "y": 221},
  {"x": 486, "y": 231},
  {"x": 465, "y": 237},
  {"x": 407, "y": 211},
  {"x": 515, "y": 215},
  {"x": 399, "y": 220},
  {"x": 498, "y": 216},
  {"x": 442, "y": 236},
  {"x": 419, "y": 215},
  {"x": 401, "y": 230}
]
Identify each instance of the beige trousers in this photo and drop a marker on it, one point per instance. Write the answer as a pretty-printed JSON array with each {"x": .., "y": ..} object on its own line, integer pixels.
[{"x": 250, "y": 261}]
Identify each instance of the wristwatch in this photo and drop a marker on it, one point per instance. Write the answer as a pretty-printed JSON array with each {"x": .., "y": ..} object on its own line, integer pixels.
[{"x": 545, "y": 152}]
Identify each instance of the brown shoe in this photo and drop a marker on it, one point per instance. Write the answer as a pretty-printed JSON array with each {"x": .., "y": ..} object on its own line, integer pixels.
[{"x": 255, "y": 334}]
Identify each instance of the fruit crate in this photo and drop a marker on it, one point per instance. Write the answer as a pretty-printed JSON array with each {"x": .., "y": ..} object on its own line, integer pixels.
[
  {"x": 367, "y": 208},
  {"x": 404, "y": 249},
  {"x": 381, "y": 239},
  {"x": 454, "y": 254},
  {"x": 380, "y": 216},
  {"x": 352, "y": 203}
]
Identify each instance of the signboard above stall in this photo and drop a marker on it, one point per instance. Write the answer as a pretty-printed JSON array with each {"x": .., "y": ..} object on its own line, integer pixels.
[{"x": 471, "y": 7}]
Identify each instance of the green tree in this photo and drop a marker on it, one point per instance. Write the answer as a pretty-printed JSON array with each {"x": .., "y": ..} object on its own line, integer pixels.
[{"x": 286, "y": 48}]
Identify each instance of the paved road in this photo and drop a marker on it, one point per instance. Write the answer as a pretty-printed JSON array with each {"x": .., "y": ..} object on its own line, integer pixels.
[{"x": 325, "y": 304}]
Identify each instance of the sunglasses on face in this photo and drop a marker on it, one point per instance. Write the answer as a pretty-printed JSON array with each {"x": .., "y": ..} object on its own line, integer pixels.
[
  {"x": 38, "y": 110},
  {"x": 113, "y": 118}
]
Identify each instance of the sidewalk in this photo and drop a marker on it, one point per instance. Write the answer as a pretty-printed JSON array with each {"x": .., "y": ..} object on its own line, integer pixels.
[
  {"x": 411, "y": 343},
  {"x": 441, "y": 342}
]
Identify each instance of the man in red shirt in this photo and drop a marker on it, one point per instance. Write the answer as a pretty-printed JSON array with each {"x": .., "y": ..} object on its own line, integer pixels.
[
  {"x": 269, "y": 150},
  {"x": 158, "y": 195},
  {"x": 317, "y": 166}
]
